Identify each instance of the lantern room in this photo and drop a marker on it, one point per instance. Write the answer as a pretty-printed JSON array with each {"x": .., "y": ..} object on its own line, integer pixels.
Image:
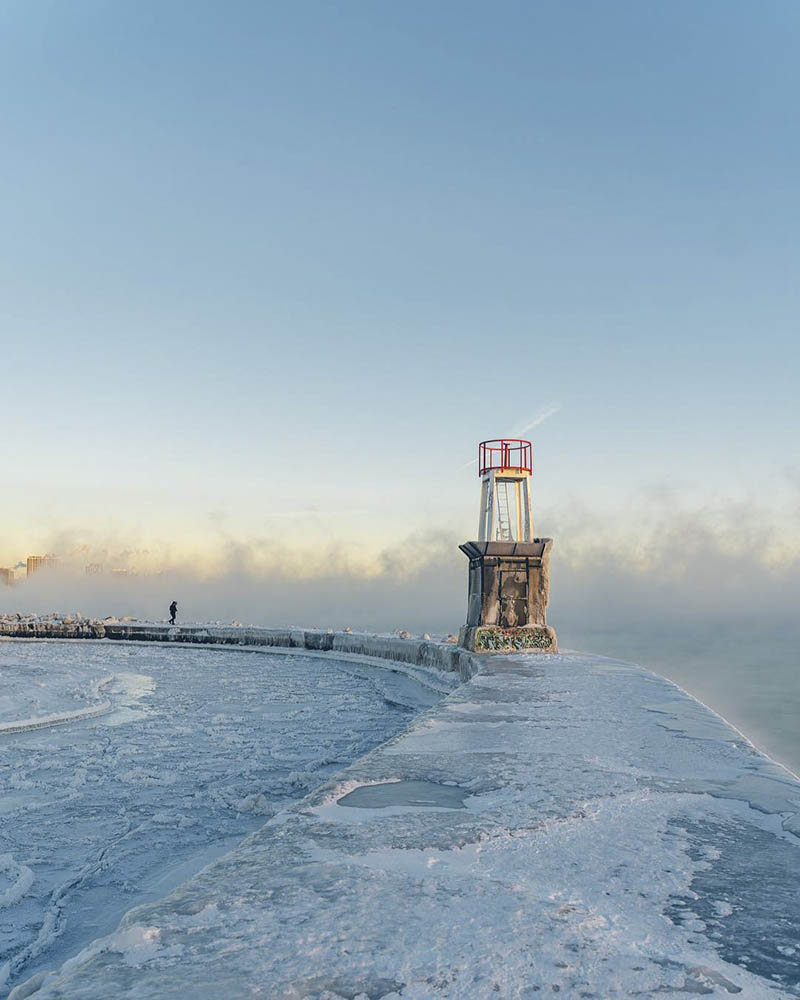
[{"x": 505, "y": 466}]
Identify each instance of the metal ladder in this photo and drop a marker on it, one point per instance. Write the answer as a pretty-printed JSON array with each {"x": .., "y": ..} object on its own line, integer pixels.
[{"x": 503, "y": 514}]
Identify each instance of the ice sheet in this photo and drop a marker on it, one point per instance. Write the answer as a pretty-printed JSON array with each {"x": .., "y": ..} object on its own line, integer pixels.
[
  {"x": 196, "y": 747},
  {"x": 618, "y": 840}
]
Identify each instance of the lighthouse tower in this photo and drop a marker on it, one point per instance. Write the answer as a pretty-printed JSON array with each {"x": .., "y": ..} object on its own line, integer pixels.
[
  {"x": 505, "y": 467},
  {"x": 509, "y": 568}
]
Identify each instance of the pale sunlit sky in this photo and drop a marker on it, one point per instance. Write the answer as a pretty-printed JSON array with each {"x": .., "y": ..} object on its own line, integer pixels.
[{"x": 258, "y": 257}]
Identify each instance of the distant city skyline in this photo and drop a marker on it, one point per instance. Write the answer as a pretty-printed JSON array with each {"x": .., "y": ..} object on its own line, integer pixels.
[
  {"x": 274, "y": 276},
  {"x": 33, "y": 564}
]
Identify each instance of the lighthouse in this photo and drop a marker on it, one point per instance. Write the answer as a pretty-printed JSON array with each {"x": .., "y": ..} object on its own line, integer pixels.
[{"x": 509, "y": 568}]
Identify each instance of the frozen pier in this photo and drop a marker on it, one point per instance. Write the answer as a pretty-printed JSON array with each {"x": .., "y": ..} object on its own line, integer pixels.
[
  {"x": 419, "y": 652},
  {"x": 558, "y": 823}
]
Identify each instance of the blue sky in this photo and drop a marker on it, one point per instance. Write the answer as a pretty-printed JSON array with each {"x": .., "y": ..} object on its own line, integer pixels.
[{"x": 256, "y": 258}]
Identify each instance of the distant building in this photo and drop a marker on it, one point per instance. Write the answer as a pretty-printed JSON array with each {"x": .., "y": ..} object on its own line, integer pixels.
[
  {"x": 94, "y": 568},
  {"x": 6, "y": 577},
  {"x": 35, "y": 563}
]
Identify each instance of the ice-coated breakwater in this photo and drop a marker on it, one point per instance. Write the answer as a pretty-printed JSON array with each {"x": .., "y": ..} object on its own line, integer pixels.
[
  {"x": 558, "y": 823},
  {"x": 419, "y": 652}
]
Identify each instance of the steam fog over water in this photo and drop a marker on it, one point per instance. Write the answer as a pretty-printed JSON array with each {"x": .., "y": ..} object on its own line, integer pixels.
[{"x": 717, "y": 620}]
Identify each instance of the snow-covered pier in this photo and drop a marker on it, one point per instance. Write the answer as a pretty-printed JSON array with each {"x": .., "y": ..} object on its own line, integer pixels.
[
  {"x": 557, "y": 823},
  {"x": 412, "y": 650},
  {"x": 445, "y": 656}
]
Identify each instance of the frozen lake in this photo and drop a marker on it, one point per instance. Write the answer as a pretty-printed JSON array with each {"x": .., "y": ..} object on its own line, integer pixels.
[{"x": 194, "y": 748}]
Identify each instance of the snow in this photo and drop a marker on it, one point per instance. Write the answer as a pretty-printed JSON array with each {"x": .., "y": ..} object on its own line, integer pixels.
[
  {"x": 616, "y": 839},
  {"x": 31, "y": 692},
  {"x": 195, "y": 748},
  {"x": 22, "y": 881}
]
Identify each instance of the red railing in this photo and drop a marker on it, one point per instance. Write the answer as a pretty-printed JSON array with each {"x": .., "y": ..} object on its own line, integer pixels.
[{"x": 505, "y": 453}]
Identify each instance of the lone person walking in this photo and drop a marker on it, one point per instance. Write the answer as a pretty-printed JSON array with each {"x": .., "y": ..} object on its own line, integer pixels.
[{"x": 173, "y": 610}]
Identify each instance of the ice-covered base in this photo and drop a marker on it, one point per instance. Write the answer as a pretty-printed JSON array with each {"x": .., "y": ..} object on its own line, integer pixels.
[
  {"x": 520, "y": 639},
  {"x": 560, "y": 823}
]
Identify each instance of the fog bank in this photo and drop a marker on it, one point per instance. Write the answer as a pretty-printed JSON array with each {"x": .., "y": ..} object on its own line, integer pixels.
[
  {"x": 676, "y": 575},
  {"x": 712, "y": 613}
]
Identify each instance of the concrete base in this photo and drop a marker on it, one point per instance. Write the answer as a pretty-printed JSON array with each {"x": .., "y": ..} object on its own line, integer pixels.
[{"x": 493, "y": 639}]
